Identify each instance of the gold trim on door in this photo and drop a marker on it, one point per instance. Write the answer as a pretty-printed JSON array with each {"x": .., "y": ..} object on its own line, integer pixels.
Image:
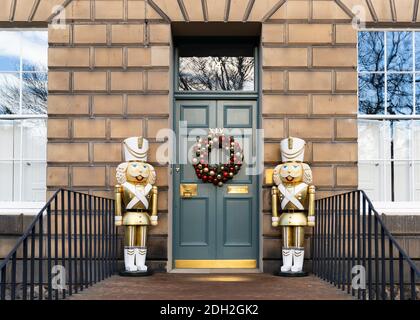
[
  {"x": 237, "y": 189},
  {"x": 215, "y": 264}
]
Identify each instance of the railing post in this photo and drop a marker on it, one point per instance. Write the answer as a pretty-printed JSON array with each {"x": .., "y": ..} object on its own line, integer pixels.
[
  {"x": 13, "y": 278},
  {"x": 391, "y": 269},
  {"x": 329, "y": 240},
  {"x": 95, "y": 235},
  {"x": 90, "y": 242},
  {"x": 353, "y": 222},
  {"x": 401, "y": 273},
  {"x": 32, "y": 287},
  {"x": 69, "y": 236},
  {"x": 335, "y": 231},
  {"x": 41, "y": 260},
  {"x": 362, "y": 198},
  {"x": 370, "y": 252},
  {"x": 383, "y": 258},
  {"x": 85, "y": 207},
  {"x": 49, "y": 252},
  {"x": 82, "y": 278},
  {"x": 56, "y": 237},
  {"x": 324, "y": 240},
  {"x": 339, "y": 235},
  {"x": 3, "y": 283},
  {"x": 24, "y": 269},
  {"x": 315, "y": 240},
  {"x": 103, "y": 240},
  {"x": 75, "y": 242},
  {"x": 349, "y": 237},
  {"x": 63, "y": 235},
  {"x": 343, "y": 214}
]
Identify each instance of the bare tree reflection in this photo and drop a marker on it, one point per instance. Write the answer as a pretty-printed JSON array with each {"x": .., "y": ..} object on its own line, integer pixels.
[
  {"x": 34, "y": 92},
  {"x": 216, "y": 73},
  {"x": 399, "y": 86}
]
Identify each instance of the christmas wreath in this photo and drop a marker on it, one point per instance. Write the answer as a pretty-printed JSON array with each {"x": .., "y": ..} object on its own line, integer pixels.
[{"x": 220, "y": 173}]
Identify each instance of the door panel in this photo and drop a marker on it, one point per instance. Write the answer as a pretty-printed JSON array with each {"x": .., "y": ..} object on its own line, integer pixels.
[{"x": 215, "y": 224}]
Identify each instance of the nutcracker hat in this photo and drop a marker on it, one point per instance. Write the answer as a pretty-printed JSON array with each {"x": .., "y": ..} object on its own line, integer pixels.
[
  {"x": 135, "y": 149},
  {"x": 292, "y": 149}
]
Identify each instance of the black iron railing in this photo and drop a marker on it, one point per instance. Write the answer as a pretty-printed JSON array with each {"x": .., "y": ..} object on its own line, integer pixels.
[
  {"x": 354, "y": 250},
  {"x": 70, "y": 245}
]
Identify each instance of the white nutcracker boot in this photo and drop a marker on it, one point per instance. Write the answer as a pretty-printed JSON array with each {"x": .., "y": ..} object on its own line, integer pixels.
[
  {"x": 129, "y": 255},
  {"x": 287, "y": 260},
  {"x": 298, "y": 255},
  {"x": 141, "y": 258}
]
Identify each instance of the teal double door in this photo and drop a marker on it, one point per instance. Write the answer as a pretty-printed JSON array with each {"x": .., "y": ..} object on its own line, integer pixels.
[{"x": 215, "y": 227}]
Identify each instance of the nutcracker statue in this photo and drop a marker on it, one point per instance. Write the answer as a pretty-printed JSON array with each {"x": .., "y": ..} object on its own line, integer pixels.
[
  {"x": 136, "y": 203},
  {"x": 295, "y": 193}
]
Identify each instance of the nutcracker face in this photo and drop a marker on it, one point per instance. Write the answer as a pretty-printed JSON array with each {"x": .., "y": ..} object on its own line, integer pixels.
[
  {"x": 291, "y": 172},
  {"x": 136, "y": 172}
]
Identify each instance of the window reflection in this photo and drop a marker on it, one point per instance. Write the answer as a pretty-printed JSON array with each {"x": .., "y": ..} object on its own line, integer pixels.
[
  {"x": 371, "y": 51},
  {"x": 216, "y": 67},
  {"x": 23, "y": 91},
  {"x": 400, "y": 93},
  {"x": 216, "y": 73},
  {"x": 371, "y": 93},
  {"x": 399, "y": 51}
]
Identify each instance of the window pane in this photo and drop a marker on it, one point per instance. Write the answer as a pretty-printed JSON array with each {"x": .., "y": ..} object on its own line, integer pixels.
[
  {"x": 34, "y": 181},
  {"x": 417, "y": 53},
  {"x": 34, "y": 50},
  {"x": 9, "y": 51},
  {"x": 417, "y": 181},
  {"x": 34, "y": 139},
  {"x": 416, "y": 138},
  {"x": 400, "y": 93},
  {"x": 216, "y": 67},
  {"x": 371, "y": 94},
  {"x": 34, "y": 93},
  {"x": 371, "y": 51},
  {"x": 6, "y": 139},
  {"x": 9, "y": 93},
  {"x": 399, "y": 46},
  {"x": 375, "y": 180},
  {"x": 401, "y": 133},
  {"x": 373, "y": 139},
  {"x": 402, "y": 178},
  {"x": 6, "y": 185},
  {"x": 417, "y": 88}
]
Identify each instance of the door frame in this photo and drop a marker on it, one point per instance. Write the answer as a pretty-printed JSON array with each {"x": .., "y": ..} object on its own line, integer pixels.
[{"x": 249, "y": 95}]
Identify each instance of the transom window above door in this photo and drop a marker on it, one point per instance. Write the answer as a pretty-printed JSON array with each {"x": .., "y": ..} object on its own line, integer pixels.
[{"x": 215, "y": 66}]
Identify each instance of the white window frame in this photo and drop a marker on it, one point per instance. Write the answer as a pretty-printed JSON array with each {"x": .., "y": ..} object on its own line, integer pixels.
[
  {"x": 22, "y": 207},
  {"x": 393, "y": 207}
]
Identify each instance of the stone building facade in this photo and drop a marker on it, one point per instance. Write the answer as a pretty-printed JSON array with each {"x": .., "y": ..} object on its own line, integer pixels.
[{"x": 111, "y": 76}]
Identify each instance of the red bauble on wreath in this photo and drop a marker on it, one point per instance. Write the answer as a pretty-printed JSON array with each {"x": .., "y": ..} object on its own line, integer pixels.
[{"x": 220, "y": 173}]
